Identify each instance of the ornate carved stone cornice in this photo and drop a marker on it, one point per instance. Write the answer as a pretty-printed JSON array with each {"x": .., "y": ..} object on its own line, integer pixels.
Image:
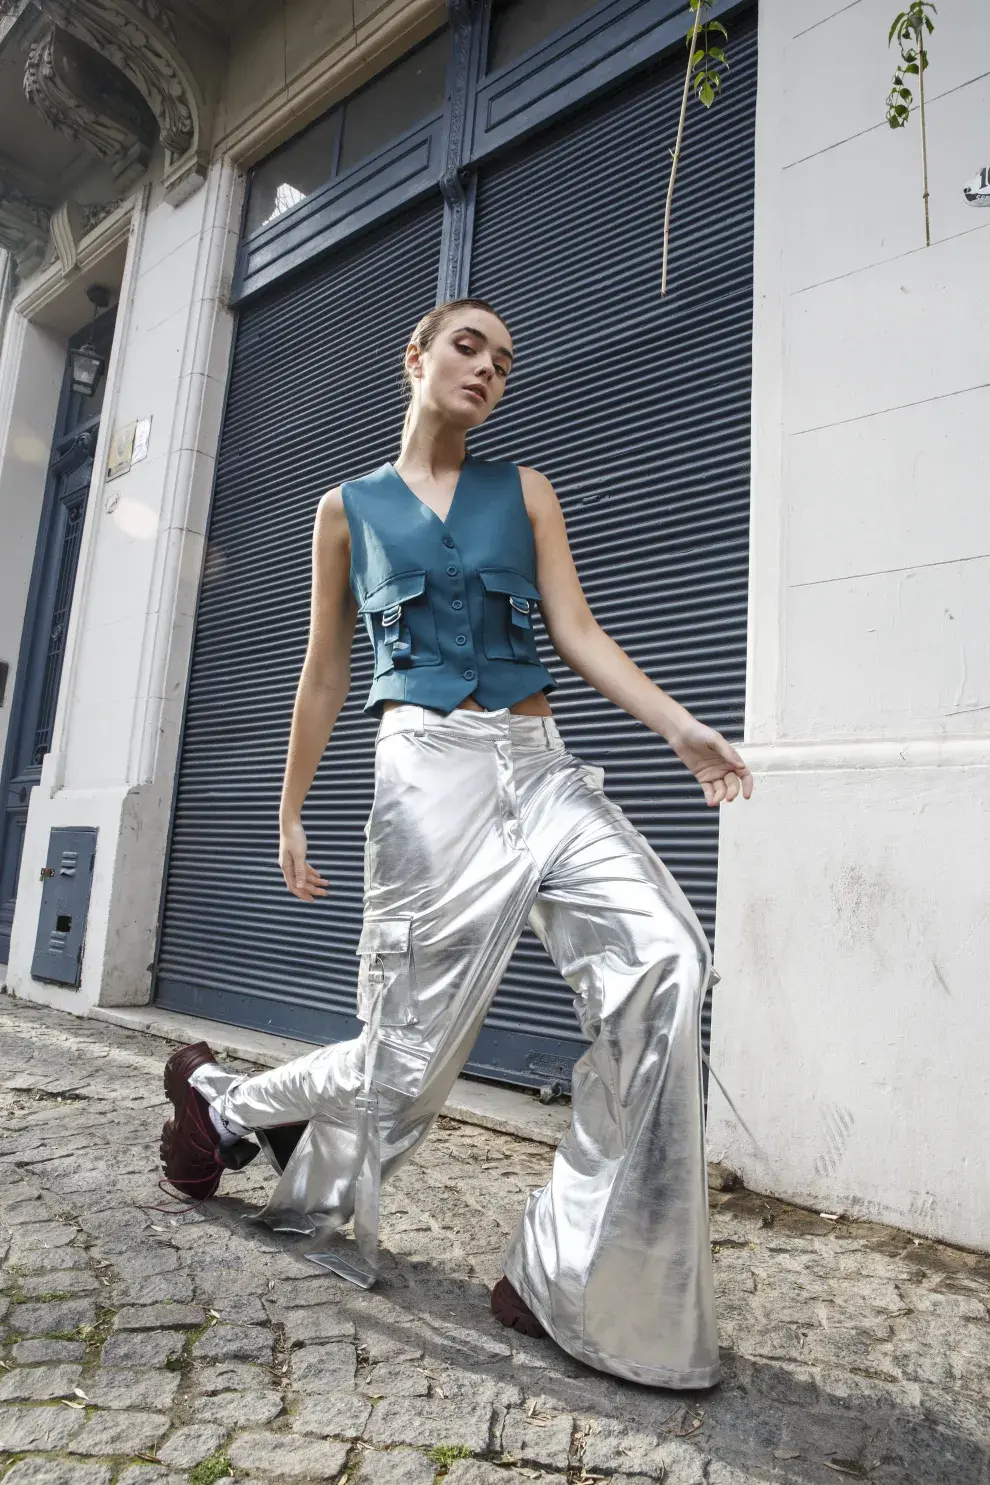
[
  {"x": 24, "y": 228},
  {"x": 87, "y": 100},
  {"x": 134, "y": 36},
  {"x": 139, "y": 39}
]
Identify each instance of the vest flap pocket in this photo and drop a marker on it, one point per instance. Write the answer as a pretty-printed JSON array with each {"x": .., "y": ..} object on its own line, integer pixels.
[
  {"x": 400, "y": 623},
  {"x": 385, "y": 936},
  {"x": 506, "y": 580},
  {"x": 399, "y": 588},
  {"x": 510, "y": 602}
]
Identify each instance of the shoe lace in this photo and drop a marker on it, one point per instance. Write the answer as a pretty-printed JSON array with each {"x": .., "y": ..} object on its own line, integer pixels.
[
  {"x": 180, "y": 1196},
  {"x": 207, "y": 1147}
]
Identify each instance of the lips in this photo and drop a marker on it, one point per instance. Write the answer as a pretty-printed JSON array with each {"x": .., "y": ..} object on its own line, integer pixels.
[{"x": 479, "y": 389}]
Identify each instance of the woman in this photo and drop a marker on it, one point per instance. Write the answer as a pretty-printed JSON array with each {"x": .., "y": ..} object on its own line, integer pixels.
[{"x": 481, "y": 822}]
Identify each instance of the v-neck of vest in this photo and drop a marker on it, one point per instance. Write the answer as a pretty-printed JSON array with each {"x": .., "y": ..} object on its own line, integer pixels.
[{"x": 444, "y": 520}]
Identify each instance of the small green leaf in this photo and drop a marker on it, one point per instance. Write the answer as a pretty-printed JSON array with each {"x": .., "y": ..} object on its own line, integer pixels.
[
  {"x": 717, "y": 55},
  {"x": 707, "y": 95}
]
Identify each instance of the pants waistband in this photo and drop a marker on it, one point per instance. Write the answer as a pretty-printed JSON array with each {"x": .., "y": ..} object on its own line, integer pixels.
[{"x": 524, "y": 731}]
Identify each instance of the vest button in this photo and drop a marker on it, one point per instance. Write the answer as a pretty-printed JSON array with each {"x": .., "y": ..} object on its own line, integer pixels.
[
  {"x": 452, "y": 571},
  {"x": 461, "y": 639},
  {"x": 456, "y": 603},
  {"x": 469, "y": 675},
  {"x": 448, "y": 541}
]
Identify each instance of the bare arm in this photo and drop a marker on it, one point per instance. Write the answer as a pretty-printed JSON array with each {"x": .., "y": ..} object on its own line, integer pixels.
[
  {"x": 323, "y": 687},
  {"x": 583, "y": 645}
]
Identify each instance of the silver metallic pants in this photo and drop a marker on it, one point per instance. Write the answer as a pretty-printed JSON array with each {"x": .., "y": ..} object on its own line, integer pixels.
[{"x": 480, "y": 821}]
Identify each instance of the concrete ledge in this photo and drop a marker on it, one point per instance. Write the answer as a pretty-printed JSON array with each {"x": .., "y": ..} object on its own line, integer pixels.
[{"x": 506, "y": 1110}]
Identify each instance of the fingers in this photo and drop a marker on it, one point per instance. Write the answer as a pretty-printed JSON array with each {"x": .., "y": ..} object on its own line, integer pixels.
[
  {"x": 724, "y": 788},
  {"x": 302, "y": 880},
  {"x": 739, "y": 779}
]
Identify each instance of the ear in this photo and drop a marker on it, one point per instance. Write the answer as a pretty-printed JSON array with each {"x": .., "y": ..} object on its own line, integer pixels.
[{"x": 414, "y": 360}]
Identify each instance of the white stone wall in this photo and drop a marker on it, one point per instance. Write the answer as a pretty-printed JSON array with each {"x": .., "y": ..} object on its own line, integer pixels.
[
  {"x": 120, "y": 703},
  {"x": 852, "y": 1023},
  {"x": 294, "y": 58}
]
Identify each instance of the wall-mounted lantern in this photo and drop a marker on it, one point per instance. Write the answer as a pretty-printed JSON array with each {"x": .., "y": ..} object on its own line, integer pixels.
[{"x": 86, "y": 361}]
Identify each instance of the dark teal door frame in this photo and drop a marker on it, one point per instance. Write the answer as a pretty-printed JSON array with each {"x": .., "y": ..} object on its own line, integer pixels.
[{"x": 46, "y": 617}]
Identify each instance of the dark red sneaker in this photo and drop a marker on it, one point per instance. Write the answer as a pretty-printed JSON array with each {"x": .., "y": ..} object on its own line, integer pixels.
[
  {"x": 513, "y": 1311},
  {"x": 193, "y": 1159}
]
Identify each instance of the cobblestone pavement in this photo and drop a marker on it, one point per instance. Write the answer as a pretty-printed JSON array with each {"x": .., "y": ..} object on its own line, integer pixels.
[{"x": 155, "y": 1348}]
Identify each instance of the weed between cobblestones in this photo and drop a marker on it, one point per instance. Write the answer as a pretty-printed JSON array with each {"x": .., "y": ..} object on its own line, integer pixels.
[
  {"x": 94, "y": 1335},
  {"x": 217, "y": 1467},
  {"x": 444, "y": 1455}
]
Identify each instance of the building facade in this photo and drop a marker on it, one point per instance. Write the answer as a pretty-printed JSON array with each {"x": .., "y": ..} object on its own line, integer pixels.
[{"x": 771, "y": 479}]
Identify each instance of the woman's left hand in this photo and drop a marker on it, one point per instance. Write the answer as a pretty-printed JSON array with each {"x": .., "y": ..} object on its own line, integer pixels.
[{"x": 714, "y": 762}]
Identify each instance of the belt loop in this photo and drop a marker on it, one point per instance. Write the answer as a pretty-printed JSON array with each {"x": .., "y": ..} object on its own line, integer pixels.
[{"x": 546, "y": 733}]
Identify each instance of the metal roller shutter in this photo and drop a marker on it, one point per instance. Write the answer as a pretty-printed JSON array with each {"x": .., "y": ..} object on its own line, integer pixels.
[
  {"x": 638, "y": 410},
  {"x": 314, "y": 398}
]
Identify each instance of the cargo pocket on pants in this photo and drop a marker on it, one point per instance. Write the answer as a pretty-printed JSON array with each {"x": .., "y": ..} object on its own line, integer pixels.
[{"x": 386, "y": 971}]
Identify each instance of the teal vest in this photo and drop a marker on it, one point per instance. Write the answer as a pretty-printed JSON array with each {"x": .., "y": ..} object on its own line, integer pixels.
[{"x": 448, "y": 605}]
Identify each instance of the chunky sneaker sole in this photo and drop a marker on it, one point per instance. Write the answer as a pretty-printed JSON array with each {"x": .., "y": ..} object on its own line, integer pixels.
[
  {"x": 513, "y": 1311},
  {"x": 193, "y": 1159}
]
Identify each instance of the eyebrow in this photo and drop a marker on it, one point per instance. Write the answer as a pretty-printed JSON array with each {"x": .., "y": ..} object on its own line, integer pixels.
[{"x": 500, "y": 350}]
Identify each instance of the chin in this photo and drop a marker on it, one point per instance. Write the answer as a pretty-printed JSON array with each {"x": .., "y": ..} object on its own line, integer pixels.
[{"x": 466, "y": 418}]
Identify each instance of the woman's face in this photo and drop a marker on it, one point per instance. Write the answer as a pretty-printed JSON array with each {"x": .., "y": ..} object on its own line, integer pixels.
[{"x": 462, "y": 375}]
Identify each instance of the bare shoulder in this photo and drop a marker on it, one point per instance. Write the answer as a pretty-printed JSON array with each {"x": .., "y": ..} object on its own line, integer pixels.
[
  {"x": 331, "y": 518},
  {"x": 331, "y": 506},
  {"x": 538, "y": 493}
]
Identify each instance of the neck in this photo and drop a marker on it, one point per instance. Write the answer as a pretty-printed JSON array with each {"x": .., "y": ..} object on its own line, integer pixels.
[{"x": 433, "y": 447}]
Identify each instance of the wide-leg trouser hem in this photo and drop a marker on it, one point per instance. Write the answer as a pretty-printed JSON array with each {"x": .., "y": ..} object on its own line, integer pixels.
[{"x": 648, "y": 1376}]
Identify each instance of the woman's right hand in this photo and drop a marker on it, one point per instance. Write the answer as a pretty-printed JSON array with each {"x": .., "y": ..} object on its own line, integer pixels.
[{"x": 302, "y": 880}]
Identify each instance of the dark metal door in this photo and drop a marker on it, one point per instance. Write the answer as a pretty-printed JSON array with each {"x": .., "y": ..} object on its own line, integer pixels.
[{"x": 46, "y": 619}]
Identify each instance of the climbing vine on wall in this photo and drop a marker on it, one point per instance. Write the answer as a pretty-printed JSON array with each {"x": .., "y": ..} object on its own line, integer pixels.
[
  {"x": 908, "y": 29},
  {"x": 706, "y": 63}
]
